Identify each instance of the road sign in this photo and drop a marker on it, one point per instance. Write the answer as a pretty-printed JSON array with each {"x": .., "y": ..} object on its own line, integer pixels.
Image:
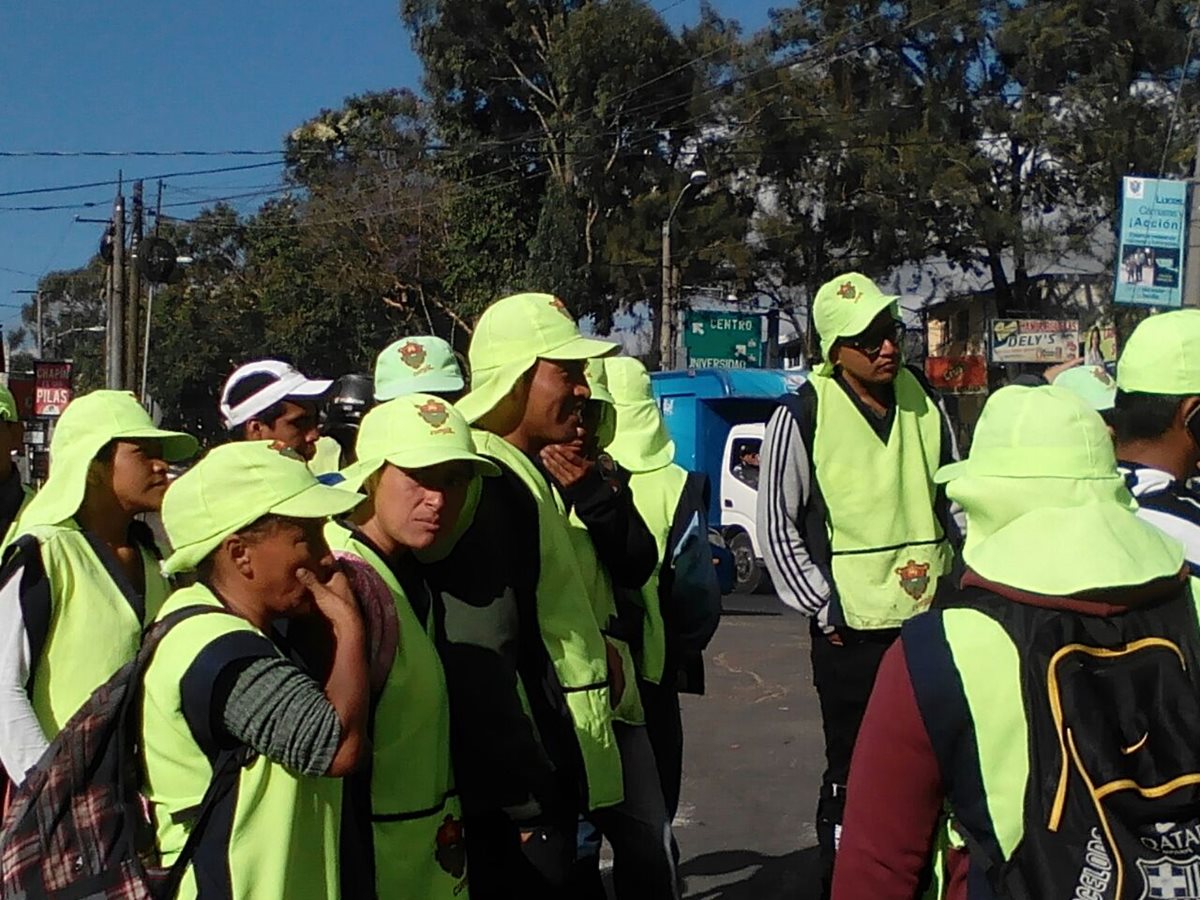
[
  {"x": 723, "y": 340},
  {"x": 1150, "y": 256}
]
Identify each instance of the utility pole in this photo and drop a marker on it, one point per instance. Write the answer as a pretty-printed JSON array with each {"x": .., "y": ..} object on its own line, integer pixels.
[
  {"x": 1191, "y": 279},
  {"x": 129, "y": 372},
  {"x": 666, "y": 312},
  {"x": 145, "y": 392},
  {"x": 115, "y": 357}
]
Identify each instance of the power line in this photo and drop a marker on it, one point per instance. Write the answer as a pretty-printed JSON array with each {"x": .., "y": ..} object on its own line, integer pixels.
[
  {"x": 119, "y": 154},
  {"x": 114, "y": 181}
]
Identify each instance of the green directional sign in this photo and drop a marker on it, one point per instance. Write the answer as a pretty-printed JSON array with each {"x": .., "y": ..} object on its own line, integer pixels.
[{"x": 723, "y": 340}]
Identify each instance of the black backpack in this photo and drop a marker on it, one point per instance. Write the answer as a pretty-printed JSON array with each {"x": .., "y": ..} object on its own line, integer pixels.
[
  {"x": 1112, "y": 806},
  {"x": 77, "y": 827}
]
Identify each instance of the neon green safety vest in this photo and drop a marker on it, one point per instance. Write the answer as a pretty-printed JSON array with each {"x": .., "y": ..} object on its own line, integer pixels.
[
  {"x": 416, "y": 815},
  {"x": 604, "y": 607},
  {"x": 569, "y": 628},
  {"x": 94, "y": 627},
  {"x": 656, "y": 495},
  {"x": 888, "y": 547},
  {"x": 282, "y": 841}
]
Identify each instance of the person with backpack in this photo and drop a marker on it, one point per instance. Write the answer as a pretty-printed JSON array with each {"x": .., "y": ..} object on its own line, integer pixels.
[
  {"x": 681, "y": 603},
  {"x": 14, "y": 494},
  {"x": 1037, "y": 734},
  {"x": 855, "y": 534},
  {"x": 82, "y": 579},
  {"x": 222, "y": 691},
  {"x": 417, "y": 462}
]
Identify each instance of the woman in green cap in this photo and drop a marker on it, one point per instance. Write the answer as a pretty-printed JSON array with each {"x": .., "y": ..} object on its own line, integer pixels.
[
  {"x": 82, "y": 578},
  {"x": 417, "y": 463},
  {"x": 249, "y": 520}
]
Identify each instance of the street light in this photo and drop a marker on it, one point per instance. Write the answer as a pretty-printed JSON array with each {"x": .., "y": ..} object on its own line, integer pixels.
[
  {"x": 666, "y": 314},
  {"x": 92, "y": 329}
]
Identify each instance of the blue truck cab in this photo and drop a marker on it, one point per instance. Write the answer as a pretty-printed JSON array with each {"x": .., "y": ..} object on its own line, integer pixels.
[{"x": 717, "y": 418}]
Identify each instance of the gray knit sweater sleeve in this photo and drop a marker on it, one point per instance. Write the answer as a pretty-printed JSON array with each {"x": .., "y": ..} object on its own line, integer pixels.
[{"x": 283, "y": 714}]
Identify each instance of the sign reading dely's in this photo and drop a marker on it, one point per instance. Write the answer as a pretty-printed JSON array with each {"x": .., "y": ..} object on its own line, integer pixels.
[{"x": 1033, "y": 340}]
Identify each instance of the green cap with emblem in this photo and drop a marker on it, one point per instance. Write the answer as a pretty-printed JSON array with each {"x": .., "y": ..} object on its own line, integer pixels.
[
  {"x": 1162, "y": 356},
  {"x": 87, "y": 425},
  {"x": 511, "y": 335},
  {"x": 237, "y": 484},
  {"x": 845, "y": 306},
  {"x": 421, "y": 364},
  {"x": 414, "y": 432}
]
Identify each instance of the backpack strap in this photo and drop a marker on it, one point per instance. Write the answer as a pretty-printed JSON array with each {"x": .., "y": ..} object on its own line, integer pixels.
[{"x": 227, "y": 766}]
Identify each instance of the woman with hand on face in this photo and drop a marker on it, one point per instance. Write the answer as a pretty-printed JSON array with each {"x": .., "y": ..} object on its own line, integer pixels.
[
  {"x": 82, "y": 579},
  {"x": 249, "y": 520},
  {"x": 417, "y": 462}
]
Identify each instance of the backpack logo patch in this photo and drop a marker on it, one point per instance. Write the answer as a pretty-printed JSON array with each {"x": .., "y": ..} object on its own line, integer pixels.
[
  {"x": 1177, "y": 879},
  {"x": 914, "y": 578},
  {"x": 451, "y": 853}
]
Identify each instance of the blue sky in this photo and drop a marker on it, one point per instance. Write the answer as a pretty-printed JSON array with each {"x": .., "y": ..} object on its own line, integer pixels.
[{"x": 207, "y": 75}]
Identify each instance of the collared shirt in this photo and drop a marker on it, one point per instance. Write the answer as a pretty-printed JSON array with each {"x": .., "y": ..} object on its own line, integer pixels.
[{"x": 1168, "y": 504}]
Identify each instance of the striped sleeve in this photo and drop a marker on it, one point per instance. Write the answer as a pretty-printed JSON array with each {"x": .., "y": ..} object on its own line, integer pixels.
[{"x": 784, "y": 492}]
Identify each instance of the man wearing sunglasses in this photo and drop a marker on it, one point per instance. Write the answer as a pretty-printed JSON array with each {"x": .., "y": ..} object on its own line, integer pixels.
[{"x": 855, "y": 533}]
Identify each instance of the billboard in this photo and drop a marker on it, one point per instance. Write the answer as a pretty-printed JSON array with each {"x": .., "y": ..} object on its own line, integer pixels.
[
  {"x": 52, "y": 388},
  {"x": 1150, "y": 252},
  {"x": 957, "y": 374},
  {"x": 723, "y": 340},
  {"x": 1033, "y": 340}
]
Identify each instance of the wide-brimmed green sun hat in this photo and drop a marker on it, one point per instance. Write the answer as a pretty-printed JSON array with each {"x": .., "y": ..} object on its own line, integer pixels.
[
  {"x": 86, "y": 426},
  {"x": 1047, "y": 511},
  {"x": 597, "y": 379},
  {"x": 237, "y": 484},
  {"x": 642, "y": 442},
  {"x": 845, "y": 306},
  {"x": 421, "y": 364},
  {"x": 1092, "y": 383},
  {"x": 8, "y": 406},
  {"x": 513, "y": 334},
  {"x": 414, "y": 432},
  {"x": 1162, "y": 356}
]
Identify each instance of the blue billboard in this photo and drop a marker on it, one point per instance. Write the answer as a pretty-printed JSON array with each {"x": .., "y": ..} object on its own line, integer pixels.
[{"x": 1150, "y": 251}]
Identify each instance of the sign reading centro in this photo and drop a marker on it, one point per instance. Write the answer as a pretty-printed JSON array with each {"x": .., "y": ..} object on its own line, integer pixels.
[
  {"x": 723, "y": 340},
  {"x": 1033, "y": 340}
]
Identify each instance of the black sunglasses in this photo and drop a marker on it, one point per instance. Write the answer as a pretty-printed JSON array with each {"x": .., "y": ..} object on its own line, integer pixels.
[{"x": 871, "y": 341}]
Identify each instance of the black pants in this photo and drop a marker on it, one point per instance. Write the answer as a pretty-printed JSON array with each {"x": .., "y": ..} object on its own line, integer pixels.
[
  {"x": 843, "y": 676},
  {"x": 664, "y": 725},
  {"x": 502, "y": 866}
]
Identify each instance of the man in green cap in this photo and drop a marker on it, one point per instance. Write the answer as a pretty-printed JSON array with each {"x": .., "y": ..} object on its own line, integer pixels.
[
  {"x": 14, "y": 495},
  {"x": 855, "y": 533},
  {"x": 419, "y": 364},
  {"x": 249, "y": 520},
  {"x": 526, "y": 662},
  {"x": 681, "y": 603},
  {"x": 1157, "y": 423},
  {"x": 82, "y": 579},
  {"x": 1050, "y": 708}
]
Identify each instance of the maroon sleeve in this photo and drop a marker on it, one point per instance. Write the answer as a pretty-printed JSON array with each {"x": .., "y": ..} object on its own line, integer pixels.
[{"x": 894, "y": 798}]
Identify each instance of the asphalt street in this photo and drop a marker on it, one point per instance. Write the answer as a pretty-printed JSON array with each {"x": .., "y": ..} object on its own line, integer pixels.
[{"x": 753, "y": 758}]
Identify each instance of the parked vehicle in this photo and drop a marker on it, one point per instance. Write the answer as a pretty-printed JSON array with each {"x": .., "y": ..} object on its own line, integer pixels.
[{"x": 717, "y": 418}]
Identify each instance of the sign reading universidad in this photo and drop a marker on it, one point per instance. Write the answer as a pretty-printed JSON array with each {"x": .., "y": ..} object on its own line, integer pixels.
[
  {"x": 1150, "y": 252},
  {"x": 723, "y": 340}
]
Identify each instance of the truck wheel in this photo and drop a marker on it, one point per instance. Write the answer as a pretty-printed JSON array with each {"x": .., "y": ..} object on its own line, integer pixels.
[{"x": 747, "y": 573}]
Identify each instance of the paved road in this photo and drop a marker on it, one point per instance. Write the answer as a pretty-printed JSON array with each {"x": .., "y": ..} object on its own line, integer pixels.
[{"x": 753, "y": 758}]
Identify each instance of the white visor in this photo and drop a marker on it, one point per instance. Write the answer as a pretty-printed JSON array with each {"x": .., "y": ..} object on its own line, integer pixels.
[{"x": 288, "y": 383}]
